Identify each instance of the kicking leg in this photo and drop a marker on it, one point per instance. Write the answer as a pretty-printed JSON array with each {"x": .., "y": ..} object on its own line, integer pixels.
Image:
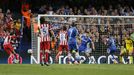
[
  {"x": 46, "y": 60},
  {"x": 69, "y": 57},
  {"x": 77, "y": 58},
  {"x": 130, "y": 57},
  {"x": 113, "y": 59},
  {"x": 57, "y": 56}
]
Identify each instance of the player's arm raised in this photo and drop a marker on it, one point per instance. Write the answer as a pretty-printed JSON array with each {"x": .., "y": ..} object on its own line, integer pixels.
[
  {"x": 78, "y": 39},
  {"x": 92, "y": 42},
  {"x": 93, "y": 47}
]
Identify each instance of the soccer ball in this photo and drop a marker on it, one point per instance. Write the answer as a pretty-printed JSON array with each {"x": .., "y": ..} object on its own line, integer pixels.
[{"x": 30, "y": 51}]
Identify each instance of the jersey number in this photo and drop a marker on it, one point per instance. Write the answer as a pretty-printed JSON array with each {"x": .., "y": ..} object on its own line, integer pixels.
[
  {"x": 62, "y": 37},
  {"x": 45, "y": 31}
]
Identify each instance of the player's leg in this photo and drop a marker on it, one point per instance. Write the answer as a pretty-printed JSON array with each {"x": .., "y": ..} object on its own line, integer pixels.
[
  {"x": 111, "y": 52},
  {"x": 130, "y": 55},
  {"x": 59, "y": 52},
  {"x": 67, "y": 49},
  {"x": 6, "y": 48},
  {"x": 10, "y": 59},
  {"x": 42, "y": 53},
  {"x": 81, "y": 50},
  {"x": 122, "y": 52},
  {"x": 16, "y": 56},
  {"x": 113, "y": 56},
  {"x": 88, "y": 55},
  {"x": 20, "y": 60},
  {"x": 47, "y": 52},
  {"x": 69, "y": 57},
  {"x": 70, "y": 53},
  {"x": 46, "y": 56},
  {"x": 77, "y": 56},
  {"x": 13, "y": 60},
  {"x": 10, "y": 50}
]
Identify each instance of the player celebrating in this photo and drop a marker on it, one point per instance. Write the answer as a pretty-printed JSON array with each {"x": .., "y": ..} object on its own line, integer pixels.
[
  {"x": 84, "y": 46},
  {"x": 129, "y": 48},
  {"x": 45, "y": 30},
  {"x": 72, "y": 42},
  {"x": 111, "y": 48},
  {"x": 63, "y": 44},
  {"x": 13, "y": 56},
  {"x": 123, "y": 50}
]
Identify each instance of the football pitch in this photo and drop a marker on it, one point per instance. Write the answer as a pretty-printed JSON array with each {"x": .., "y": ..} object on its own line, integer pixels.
[{"x": 60, "y": 69}]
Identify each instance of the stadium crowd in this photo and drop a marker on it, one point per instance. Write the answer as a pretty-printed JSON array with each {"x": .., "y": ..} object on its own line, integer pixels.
[
  {"x": 98, "y": 29},
  {"x": 8, "y": 24}
]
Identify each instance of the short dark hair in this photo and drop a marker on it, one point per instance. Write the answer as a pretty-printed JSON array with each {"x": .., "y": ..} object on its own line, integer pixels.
[
  {"x": 64, "y": 28},
  {"x": 42, "y": 20},
  {"x": 73, "y": 24}
]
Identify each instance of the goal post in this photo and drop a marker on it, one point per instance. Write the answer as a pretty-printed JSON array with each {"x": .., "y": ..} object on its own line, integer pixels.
[
  {"x": 35, "y": 44},
  {"x": 85, "y": 16},
  {"x": 100, "y": 23}
]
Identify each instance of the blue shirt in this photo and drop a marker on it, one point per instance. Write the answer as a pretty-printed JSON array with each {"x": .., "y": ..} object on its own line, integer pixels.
[
  {"x": 84, "y": 42},
  {"x": 72, "y": 33},
  {"x": 112, "y": 44}
]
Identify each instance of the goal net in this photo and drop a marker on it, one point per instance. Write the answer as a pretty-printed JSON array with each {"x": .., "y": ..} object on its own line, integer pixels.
[{"x": 98, "y": 28}]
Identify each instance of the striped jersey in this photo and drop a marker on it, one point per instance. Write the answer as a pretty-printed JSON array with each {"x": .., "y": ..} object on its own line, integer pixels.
[
  {"x": 63, "y": 37},
  {"x": 8, "y": 39},
  {"x": 45, "y": 35}
]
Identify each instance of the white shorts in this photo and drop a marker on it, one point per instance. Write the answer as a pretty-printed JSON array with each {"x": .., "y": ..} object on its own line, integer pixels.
[{"x": 88, "y": 50}]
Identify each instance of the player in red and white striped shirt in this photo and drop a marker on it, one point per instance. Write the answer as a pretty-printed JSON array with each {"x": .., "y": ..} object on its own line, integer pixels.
[
  {"x": 45, "y": 29},
  {"x": 45, "y": 32},
  {"x": 63, "y": 44},
  {"x": 7, "y": 45}
]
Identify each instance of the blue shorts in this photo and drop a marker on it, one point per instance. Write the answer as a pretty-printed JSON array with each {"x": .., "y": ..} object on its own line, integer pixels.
[
  {"x": 72, "y": 46},
  {"x": 111, "y": 51},
  {"x": 72, "y": 43},
  {"x": 82, "y": 48}
]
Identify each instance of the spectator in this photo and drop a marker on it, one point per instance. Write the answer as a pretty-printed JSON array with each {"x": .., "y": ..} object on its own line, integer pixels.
[
  {"x": 50, "y": 10},
  {"x": 26, "y": 12},
  {"x": 9, "y": 19},
  {"x": 66, "y": 10},
  {"x": 1, "y": 18},
  {"x": 18, "y": 24},
  {"x": 43, "y": 9}
]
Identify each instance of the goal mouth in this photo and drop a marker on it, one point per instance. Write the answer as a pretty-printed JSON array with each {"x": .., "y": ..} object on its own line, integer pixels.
[{"x": 98, "y": 27}]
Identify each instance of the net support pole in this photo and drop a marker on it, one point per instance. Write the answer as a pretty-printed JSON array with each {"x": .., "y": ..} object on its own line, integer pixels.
[
  {"x": 36, "y": 49},
  {"x": 38, "y": 40}
]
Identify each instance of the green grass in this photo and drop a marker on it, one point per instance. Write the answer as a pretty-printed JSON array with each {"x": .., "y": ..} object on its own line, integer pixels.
[{"x": 83, "y": 69}]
